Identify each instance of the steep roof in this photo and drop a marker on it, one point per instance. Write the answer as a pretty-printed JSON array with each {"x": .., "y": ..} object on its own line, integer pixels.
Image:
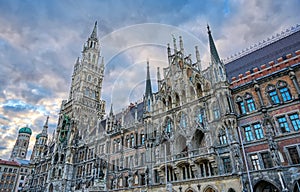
[{"x": 271, "y": 52}]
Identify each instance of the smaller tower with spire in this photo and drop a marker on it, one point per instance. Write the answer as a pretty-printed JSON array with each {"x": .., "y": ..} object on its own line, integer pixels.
[
  {"x": 40, "y": 142},
  {"x": 217, "y": 68},
  {"x": 148, "y": 91},
  {"x": 21, "y": 146}
]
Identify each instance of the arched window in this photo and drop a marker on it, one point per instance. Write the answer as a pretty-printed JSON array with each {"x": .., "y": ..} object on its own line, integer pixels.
[
  {"x": 183, "y": 120},
  {"x": 128, "y": 141},
  {"x": 199, "y": 90},
  {"x": 115, "y": 146},
  {"x": 89, "y": 77},
  {"x": 222, "y": 137},
  {"x": 250, "y": 102},
  {"x": 284, "y": 91},
  {"x": 200, "y": 116},
  {"x": 132, "y": 140},
  {"x": 119, "y": 145},
  {"x": 87, "y": 91},
  {"x": 216, "y": 111},
  {"x": 271, "y": 90},
  {"x": 169, "y": 127},
  {"x": 142, "y": 138},
  {"x": 241, "y": 105},
  {"x": 177, "y": 100},
  {"x": 94, "y": 58}
]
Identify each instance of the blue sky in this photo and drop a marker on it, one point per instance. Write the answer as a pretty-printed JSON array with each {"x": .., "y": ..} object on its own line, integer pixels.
[{"x": 40, "y": 41}]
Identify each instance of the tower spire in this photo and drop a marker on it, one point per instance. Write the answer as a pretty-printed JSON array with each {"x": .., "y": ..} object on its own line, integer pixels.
[
  {"x": 213, "y": 51},
  {"x": 148, "y": 91},
  {"x": 45, "y": 128},
  {"x": 94, "y": 33},
  {"x": 111, "y": 113}
]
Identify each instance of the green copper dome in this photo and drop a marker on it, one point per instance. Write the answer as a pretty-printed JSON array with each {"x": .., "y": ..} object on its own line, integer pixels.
[
  {"x": 38, "y": 136},
  {"x": 25, "y": 130}
]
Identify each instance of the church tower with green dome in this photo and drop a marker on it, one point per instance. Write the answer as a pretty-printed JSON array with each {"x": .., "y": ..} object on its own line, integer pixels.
[{"x": 21, "y": 146}]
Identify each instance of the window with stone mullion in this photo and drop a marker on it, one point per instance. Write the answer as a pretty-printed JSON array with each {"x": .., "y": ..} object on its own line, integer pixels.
[
  {"x": 294, "y": 155},
  {"x": 295, "y": 121},
  {"x": 255, "y": 162},
  {"x": 285, "y": 94},
  {"x": 267, "y": 160},
  {"x": 258, "y": 131},
  {"x": 248, "y": 133},
  {"x": 227, "y": 165},
  {"x": 283, "y": 124}
]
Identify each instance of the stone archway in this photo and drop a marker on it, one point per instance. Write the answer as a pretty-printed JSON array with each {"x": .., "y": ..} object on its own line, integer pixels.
[
  {"x": 189, "y": 190},
  {"x": 231, "y": 190},
  {"x": 209, "y": 189},
  {"x": 265, "y": 186}
]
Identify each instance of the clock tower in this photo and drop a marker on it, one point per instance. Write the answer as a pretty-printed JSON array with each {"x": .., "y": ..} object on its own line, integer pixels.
[{"x": 84, "y": 108}]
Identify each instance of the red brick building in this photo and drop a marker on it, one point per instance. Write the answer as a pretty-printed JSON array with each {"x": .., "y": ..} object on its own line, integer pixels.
[{"x": 266, "y": 97}]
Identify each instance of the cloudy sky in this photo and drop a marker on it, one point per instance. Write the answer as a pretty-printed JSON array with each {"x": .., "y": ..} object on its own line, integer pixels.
[{"x": 40, "y": 41}]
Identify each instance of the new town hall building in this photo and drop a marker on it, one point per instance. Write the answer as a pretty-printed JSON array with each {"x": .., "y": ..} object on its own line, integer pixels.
[{"x": 229, "y": 128}]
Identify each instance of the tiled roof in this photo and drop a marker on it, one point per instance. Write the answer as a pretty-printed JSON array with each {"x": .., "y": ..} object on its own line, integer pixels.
[{"x": 271, "y": 52}]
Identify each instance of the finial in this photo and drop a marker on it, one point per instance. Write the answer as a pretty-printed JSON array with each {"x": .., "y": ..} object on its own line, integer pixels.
[
  {"x": 174, "y": 42},
  {"x": 181, "y": 43},
  {"x": 208, "y": 29},
  {"x": 46, "y": 123},
  {"x": 94, "y": 33},
  {"x": 111, "y": 110},
  {"x": 169, "y": 50},
  {"x": 197, "y": 54}
]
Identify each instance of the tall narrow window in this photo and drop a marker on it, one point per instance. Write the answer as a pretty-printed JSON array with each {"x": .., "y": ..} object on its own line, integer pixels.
[
  {"x": 258, "y": 131},
  {"x": 295, "y": 121},
  {"x": 271, "y": 89},
  {"x": 250, "y": 102},
  {"x": 87, "y": 91},
  {"x": 142, "y": 139},
  {"x": 222, "y": 137},
  {"x": 227, "y": 165},
  {"x": 294, "y": 155},
  {"x": 267, "y": 160},
  {"x": 255, "y": 162},
  {"x": 132, "y": 140},
  {"x": 283, "y": 124},
  {"x": 284, "y": 91},
  {"x": 216, "y": 110},
  {"x": 168, "y": 128},
  {"x": 183, "y": 121},
  {"x": 241, "y": 105},
  {"x": 285, "y": 94},
  {"x": 248, "y": 134}
]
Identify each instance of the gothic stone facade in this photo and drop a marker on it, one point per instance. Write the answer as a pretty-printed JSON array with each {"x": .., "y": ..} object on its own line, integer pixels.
[{"x": 199, "y": 132}]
